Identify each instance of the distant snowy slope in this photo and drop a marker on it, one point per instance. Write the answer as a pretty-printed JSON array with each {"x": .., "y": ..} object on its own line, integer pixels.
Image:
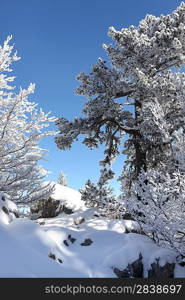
[{"x": 69, "y": 197}]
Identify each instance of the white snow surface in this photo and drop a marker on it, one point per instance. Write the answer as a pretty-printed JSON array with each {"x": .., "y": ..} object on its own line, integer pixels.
[
  {"x": 69, "y": 197},
  {"x": 26, "y": 245}
]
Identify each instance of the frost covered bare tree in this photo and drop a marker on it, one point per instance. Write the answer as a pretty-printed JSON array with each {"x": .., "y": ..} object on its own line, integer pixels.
[
  {"x": 139, "y": 94},
  {"x": 22, "y": 126},
  {"x": 62, "y": 179}
]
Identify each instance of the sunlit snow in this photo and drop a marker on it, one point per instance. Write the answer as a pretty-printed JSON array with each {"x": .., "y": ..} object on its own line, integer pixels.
[{"x": 26, "y": 245}]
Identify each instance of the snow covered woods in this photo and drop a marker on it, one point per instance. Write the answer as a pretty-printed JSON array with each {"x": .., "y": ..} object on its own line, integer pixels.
[
  {"x": 22, "y": 126},
  {"x": 141, "y": 94}
]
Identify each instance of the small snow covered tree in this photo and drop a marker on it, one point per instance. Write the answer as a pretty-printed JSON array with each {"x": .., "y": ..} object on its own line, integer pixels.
[
  {"x": 101, "y": 195},
  {"x": 140, "y": 95},
  {"x": 62, "y": 179},
  {"x": 22, "y": 126}
]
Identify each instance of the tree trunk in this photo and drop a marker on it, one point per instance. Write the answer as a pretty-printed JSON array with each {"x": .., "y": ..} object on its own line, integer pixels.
[{"x": 140, "y": 157}]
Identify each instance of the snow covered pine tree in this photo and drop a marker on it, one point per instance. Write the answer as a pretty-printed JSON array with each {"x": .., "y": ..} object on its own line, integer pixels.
[
  {"x": 142, "y": 74},
  {"x": 101, "y": 196},
  {"x": 62, "y": 179},
  {"x": 21, "y": 128},
  {"x": 98, "y": 195}
]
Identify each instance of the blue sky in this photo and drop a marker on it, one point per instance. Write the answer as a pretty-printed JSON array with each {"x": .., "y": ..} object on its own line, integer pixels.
[{"x": 57, "y": 39}]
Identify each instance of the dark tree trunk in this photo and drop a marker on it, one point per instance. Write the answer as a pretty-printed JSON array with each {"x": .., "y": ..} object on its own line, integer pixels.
[
  {"x": 140, "y": 158},
  {"x": 140, "y": 153}
]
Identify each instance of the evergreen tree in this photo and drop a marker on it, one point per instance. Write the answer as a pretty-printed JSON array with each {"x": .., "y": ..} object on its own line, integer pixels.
[
  {"x": 142, "y": 74},
  {"x": 62, "y": 179},
  {"x": 101, "y": 196}
]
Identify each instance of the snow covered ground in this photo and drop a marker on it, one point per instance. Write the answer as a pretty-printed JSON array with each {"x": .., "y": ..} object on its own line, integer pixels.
[{"x": 81, "y": 244}]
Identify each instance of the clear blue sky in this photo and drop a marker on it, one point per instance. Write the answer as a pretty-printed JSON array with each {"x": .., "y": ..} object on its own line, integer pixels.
[{"x": 57, "y": 39}]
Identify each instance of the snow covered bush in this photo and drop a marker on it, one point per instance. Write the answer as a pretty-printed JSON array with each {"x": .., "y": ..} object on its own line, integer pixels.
[
  {"x": 22, "y": 126},
  {"x": 161, "y": 209},
  {"x": 136, "y": 107},
  {"x": 46, "y": 208}
]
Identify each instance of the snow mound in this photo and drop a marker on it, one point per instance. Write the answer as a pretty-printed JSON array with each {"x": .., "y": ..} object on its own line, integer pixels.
[{"x": 68, "y": 197}]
